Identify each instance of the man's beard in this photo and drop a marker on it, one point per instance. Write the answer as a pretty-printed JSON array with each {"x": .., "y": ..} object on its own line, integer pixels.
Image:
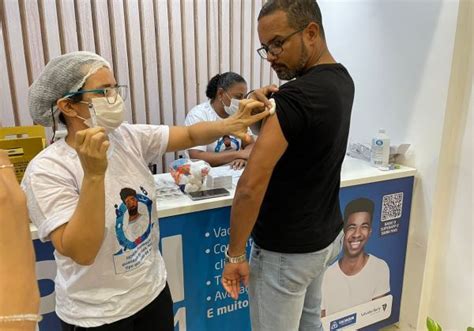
[
  {"x": 286, "y": 73},
  {"x": 133, "y": 211}
]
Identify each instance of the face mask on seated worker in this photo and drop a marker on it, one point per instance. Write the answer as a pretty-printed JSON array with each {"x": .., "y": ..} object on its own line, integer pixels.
[
  {"x": 233, "y": 107},
  {"x": 103, "y": 114}
]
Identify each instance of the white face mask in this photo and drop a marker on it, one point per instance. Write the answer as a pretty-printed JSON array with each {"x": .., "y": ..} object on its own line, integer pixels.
[
  {"x": 104, "y": 114},
  {"x": 233, "y": 107}
]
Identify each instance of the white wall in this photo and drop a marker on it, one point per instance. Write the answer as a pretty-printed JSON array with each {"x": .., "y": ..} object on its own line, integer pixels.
[
  {"x": 448, "y": 283},
  {"x": 400, "y": 56},
  {"x": 452, "y": 284}
]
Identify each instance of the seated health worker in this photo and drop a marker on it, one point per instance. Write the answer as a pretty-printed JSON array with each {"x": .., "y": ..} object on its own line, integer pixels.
[
  {"x": 93, "y": 195},
  {"x": 224, "y": 92}
]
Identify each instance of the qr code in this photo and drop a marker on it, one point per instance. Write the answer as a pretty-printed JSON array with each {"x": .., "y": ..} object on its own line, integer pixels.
[{"x": 392, "y": 205}]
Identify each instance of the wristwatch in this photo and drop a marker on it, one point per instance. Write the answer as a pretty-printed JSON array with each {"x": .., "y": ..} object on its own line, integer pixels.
[{"x": 234, "y": 259}]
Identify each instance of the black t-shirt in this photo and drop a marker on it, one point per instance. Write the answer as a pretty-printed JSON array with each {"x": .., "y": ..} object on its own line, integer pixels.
[{"x": 300, "y": 212}]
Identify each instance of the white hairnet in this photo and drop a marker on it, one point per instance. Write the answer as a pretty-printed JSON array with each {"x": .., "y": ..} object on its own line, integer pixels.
[{"x": 63, "y": 74}]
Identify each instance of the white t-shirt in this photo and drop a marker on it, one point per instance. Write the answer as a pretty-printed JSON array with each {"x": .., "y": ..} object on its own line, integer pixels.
[
  {"x": 341, "y": 291},
  {"x": 205, "y": 113},
  {"x": 129, "y": 271}
]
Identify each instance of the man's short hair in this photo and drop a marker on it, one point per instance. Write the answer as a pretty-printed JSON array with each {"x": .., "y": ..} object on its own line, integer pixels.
[
  {"x": 357, "y": 206},
  {"x": 299, "y": 12},
  {"x": 126, "y": 192}
]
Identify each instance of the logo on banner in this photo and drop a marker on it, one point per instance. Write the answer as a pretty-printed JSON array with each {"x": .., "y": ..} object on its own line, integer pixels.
[
  {"x": 343, "y": 322},
  {"x": 360, "y": 316}
]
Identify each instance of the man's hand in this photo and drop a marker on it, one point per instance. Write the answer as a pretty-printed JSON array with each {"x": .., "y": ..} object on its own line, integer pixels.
[
  {"x": 91, "y": 145},
  {"x": 233, "y": 275},
  {"x": 263, "y": 93}
]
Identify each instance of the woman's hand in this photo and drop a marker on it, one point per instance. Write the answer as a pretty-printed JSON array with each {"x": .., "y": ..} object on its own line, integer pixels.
[
  {"x": 238, "y": 164},
  {"x": 250, "y": 111},
  {"x": 91, "y": 146},
  {"x": 262, "y": 94},
  {"x": 4, "y": 160},
  {"x": 9, "y": 188}
]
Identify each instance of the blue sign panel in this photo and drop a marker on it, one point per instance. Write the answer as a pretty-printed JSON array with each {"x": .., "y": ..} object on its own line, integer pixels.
[{"x": 193, "y": 247}]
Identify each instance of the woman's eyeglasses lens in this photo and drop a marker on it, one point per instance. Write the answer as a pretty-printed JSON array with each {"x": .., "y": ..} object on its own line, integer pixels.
[{"x": 112, "y": 92}]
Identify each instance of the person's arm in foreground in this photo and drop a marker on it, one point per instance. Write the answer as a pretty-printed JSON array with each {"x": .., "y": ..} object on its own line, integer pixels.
[
  {"x": 19, "y": 293},
  {"x": 203, "y": 133},
  {"x": 81, "y": 238},
  {"x": 250, "y": 191}
]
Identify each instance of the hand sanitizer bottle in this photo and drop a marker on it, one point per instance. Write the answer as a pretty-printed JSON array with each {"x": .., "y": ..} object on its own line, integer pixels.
[{"x": 380, "y": 150}]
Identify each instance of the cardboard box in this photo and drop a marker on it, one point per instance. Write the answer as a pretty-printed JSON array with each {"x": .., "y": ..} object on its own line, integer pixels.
[{"x": 21, "y": 152}]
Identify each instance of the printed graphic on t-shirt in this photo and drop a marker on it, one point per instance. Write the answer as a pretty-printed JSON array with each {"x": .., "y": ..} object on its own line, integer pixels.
[
  {"x": 227, "y": 143},
  {"x": 133, "y": 228}
]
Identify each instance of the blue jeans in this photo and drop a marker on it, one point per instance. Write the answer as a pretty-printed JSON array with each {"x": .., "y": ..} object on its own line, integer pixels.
[{"x": 285, "y": 289}]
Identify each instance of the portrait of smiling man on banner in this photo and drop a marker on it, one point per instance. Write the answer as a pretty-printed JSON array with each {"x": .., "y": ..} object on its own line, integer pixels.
[{"x": 357, "y": 277}]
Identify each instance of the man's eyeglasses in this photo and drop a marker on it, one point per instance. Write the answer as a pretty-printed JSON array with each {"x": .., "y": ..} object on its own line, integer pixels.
[
  {"x": 275, "y": 47},
  {"x": 110, "y": 93}
]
